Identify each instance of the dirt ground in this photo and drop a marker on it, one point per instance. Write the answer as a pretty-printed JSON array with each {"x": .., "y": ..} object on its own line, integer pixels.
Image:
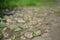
[{"x": 31, "y": 23}]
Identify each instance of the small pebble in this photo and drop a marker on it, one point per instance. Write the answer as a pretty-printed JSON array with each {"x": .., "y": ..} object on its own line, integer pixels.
[
  {"x": 6, "y": 35},
  {"x": 28, "y": 34},
  {"x": 9, "y": 20},
  {"x": 14, "y": 28},
  {"x": 23, "y": 38}
]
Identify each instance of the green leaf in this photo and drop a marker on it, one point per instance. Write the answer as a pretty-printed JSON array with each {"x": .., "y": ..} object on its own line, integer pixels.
[{"x": 13, "y": 37}]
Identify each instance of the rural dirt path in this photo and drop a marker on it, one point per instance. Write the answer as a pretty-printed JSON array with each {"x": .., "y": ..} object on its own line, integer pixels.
[{"x": 32, "y": 23}]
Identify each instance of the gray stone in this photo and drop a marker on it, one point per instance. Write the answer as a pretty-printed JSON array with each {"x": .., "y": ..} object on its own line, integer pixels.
[
  {"x": 8, "y": 39},
  {"x": 22, "y": 38},
  {"x": 14, "y": 28},
  {"x": 28, "y": 34},
  {"x": 9, "y": 20},
  {"x": 9, "y": 11},
  {"x": 20, "y": 20},
  {"x": 38, "y": 38},
  {"x": 6, "y": 35}
]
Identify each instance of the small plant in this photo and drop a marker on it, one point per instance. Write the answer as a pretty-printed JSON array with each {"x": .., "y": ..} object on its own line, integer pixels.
[
  {"x": 56, "y": 10},
  {"x": 1, "y": 35},
  {"x": 15, "y": 29},
  {"x": 2, "y": 25},
  {"x": 13, "y": 37},
  {"x": 36, "y": 33},
  {"x": 42, "y": 17},
  {"x": 41, "y": 11},
  {"x": 26, "y": 23},
  {"x": 1, "y": 14}
]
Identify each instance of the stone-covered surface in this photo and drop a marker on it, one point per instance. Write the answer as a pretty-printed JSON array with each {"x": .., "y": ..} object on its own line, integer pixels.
[{"x": 30, "y": 23}]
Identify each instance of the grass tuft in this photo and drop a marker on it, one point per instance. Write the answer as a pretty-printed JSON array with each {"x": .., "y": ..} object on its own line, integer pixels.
[{"x": 2, "y": 25}]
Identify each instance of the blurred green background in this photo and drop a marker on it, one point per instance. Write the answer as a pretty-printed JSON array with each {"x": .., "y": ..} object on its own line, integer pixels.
[{"x": 14, "y": 3}]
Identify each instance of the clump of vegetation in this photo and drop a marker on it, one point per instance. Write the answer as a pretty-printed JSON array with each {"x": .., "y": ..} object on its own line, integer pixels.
[
  {"x": 56, "y": 10},
  {"x": 13, "y": 37},
  {"x": 1, "y": 35},
  {"x": 14, "y": 3},
  {"x": 15, "y": 28},
  {"x": 2, "y": 25},
  {"x": 36, "y": 33},
  {"x": 26, "y": 22},
  {"x": 41, "y": 11},
  {"x": 1, "y": 14}
]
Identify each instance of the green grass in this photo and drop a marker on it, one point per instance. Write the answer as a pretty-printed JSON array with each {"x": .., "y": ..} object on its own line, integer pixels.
[
  {"x": 13, "y": 37},
  {"x": 2, "y": 25},
  {"x": 14, "y": 3},
  {"x": 1, "y": 35},
  {"x": 56, "y": 10},
  {"x": 1, "y": 14},
  {"x": 36, "y": 33}
]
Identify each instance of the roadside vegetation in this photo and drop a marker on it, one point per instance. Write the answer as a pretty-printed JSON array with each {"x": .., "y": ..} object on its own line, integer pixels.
[{"x": 14, "y": 3}]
